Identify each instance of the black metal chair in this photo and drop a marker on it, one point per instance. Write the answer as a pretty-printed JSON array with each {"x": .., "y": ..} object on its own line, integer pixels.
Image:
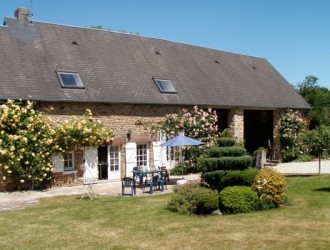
[{"x": 128, "y": 182}]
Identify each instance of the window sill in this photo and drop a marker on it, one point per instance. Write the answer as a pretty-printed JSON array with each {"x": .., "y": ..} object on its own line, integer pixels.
[{"x": 69, "y": 172}]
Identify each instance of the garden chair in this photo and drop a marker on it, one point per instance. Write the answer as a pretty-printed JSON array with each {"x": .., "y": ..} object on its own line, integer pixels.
[
  {"x": 128, "y": 182},
  {"x": 165, "y": 173},
  {"x": 153, "y": 183},
  {"x": 162, "y": 181},
  {"x": 138, "y": 176}
]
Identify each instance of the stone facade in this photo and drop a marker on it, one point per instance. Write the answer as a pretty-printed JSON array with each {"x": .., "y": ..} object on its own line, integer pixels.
[
  {"x": 276, "y": 138},
  {"x": 60, "y": 179},
  {"x": 236, "y": 123},
  {"x": 122, "y": 118}
]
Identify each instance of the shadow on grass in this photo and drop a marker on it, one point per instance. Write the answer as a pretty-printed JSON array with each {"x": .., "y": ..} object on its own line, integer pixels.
[
  {"x": 325, "y": 189},
  {"x": 299, "y": 175}
]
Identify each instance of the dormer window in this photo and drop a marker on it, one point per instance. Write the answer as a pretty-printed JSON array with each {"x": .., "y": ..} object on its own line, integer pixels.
[
  {"x": 165, "y": 86},
  {"x": 70, "y": 80}
]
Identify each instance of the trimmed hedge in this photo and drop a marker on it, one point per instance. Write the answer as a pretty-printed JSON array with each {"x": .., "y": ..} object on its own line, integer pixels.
[
  {"x": 238, "y": 199},
  {"x": 239, "y": 178},
  {"x": 226, "y": 151},
  {"x": 226, "y": 142},
  {"x": 214, "y": 178},
  {"x": 191, "y": 198},
  {"x": 228, "y": 163},
  {"x": 220, "y": 179}
]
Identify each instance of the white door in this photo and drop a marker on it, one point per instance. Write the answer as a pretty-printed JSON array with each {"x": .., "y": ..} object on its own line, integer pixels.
[
  {"x": 130, "y": 153},
  {"x": 113, "y": 162},
  {"x": 91, "y": 163}
]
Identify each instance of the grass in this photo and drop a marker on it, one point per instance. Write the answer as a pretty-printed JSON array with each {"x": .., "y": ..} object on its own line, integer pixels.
[{"x": 145, "y": 223}]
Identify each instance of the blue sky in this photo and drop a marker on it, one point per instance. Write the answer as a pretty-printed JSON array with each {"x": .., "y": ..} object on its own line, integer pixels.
[{"x": 293, "y": 35}]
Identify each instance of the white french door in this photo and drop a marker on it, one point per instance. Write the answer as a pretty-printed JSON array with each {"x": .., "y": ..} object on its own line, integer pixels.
[{"x": 113, "y": 162}]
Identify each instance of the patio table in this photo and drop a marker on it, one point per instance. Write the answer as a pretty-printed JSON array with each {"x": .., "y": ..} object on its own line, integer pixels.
[
  {"x": 142, "y": 173},
  {"x": 161, "y": 182}
]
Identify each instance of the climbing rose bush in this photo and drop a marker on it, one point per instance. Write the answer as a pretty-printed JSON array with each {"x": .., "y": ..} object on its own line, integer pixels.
[
  {"x": 197, "y": 123},
  {"x": 292, "y": 129},
  {"x": 28, "y": 138},
  {"x": 80, "y": 131},
  {"x": 26, "y": 144}
]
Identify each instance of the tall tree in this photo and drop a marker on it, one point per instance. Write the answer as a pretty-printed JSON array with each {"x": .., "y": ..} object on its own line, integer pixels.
[{"x": 319, "y": 98}]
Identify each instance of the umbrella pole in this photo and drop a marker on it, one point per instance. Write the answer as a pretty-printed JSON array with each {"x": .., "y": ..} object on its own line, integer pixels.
[{"x": 182, "y": 161}]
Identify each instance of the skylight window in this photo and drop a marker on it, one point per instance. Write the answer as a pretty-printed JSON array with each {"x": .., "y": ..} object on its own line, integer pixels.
[
  {"x": 165, "y": 86},
  {"x": 69, "y": 80}
]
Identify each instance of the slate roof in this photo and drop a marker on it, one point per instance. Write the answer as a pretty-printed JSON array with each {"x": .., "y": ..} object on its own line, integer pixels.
[{"x": 118, "y": 68}]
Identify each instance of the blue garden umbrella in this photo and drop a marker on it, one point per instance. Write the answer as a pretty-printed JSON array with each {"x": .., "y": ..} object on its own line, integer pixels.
[{"x": 179, "y": 141}]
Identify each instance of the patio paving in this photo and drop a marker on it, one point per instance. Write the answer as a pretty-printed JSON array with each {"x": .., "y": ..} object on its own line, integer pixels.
[
  {"x": 22, "y": 199},
  {"x": 19, "y": 200},
  {"x": 303, "y": 168}
]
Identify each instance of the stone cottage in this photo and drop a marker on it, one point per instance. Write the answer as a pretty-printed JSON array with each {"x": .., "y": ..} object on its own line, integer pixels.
[{"x": 122, "y": 78}]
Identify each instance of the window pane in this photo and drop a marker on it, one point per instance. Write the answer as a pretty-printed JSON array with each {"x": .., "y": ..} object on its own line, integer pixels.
[
  {"x": 68, "y": 161},
  {"x": 70, "y": 80},
  {"x": 165, "y": 86},
  {"x": 142, "y": 154},
  {"x": 114, "y": 158}
]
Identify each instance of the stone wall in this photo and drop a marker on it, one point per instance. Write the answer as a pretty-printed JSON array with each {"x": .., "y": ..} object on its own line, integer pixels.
[
  {"x": 60, "y": 179},
  {"x": 120, "y": 118},
  {"x": 236, "y": 123},
  {"x": 124, "y": 117},
  {"x": 276, "y": 155}
]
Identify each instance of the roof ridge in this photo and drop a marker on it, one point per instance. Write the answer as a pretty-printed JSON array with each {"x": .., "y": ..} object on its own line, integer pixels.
[{"x": 142, "y": 36}]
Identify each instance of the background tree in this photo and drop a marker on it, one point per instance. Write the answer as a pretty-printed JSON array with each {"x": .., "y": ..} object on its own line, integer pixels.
[
  {"x": 100, "y": 27},
  {"x": 317, "y": 142},
  {"x": 319, "y": 98}
]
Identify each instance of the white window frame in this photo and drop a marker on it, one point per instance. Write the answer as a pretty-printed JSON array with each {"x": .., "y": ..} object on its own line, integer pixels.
[
  {"x": 68, "y": 160},
  {"x": 114, "y": 154},
  {"x": 142, "y": 153},
  {"x": 170, "y": 152}
]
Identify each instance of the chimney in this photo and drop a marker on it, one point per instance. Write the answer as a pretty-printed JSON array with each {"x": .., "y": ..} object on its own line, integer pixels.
[{"x": 23, "y": 15}]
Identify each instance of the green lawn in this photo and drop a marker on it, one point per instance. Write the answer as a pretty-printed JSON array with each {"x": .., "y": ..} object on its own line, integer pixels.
[{"x": 145, "y": 223}]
